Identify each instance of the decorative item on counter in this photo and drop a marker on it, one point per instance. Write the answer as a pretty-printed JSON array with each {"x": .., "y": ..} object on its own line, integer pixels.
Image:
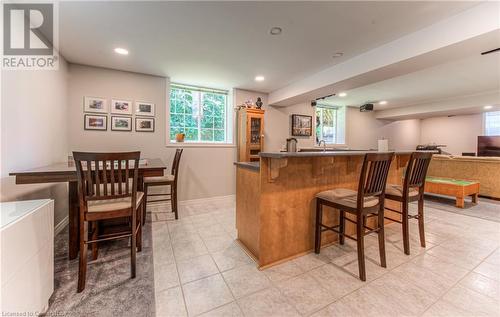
[
  {"x": 179, "y": 137},
  {"x": 248, "y": 103},
  {"x": 383, "y": 145},
  {"x": 259, "y": 103},
  {"x": 71, "y": 160}
]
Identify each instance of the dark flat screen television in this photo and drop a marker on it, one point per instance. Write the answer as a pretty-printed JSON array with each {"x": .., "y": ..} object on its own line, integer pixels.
[{"x": 488, "y": 146}]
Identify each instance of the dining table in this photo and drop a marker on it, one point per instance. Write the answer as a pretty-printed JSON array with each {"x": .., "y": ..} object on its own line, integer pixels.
[{"x": 65, "y": 172}]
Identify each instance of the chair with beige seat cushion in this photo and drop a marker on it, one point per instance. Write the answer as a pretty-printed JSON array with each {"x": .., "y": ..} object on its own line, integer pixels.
[
  {"x": 106, "y": 192},
  {"x": 367, "y": 201},
  {"x": 167, "y": 180},
  {"x": 411, "y": 190}
]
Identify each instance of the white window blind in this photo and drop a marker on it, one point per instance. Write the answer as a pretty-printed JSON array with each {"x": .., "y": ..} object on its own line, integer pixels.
[{"x": 492, "y": 123}]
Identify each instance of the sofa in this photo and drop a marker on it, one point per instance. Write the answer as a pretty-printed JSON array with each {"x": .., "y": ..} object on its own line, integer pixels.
[{"x": 486, "y": 170}]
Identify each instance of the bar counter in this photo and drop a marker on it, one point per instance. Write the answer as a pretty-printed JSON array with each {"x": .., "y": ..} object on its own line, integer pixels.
[{"x": 275, "y": 201}]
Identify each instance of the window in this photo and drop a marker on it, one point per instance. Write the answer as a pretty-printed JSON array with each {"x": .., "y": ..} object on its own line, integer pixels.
[
  {"x": 330, "y": 124},
  {"x": 492, "y": 123},
  {"x": 199, "y": 113}
]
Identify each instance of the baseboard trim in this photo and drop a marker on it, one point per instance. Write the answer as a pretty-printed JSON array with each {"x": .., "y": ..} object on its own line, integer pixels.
[
  {"x": 61, "y": 225},
  {"x": 202, "y": 200}
]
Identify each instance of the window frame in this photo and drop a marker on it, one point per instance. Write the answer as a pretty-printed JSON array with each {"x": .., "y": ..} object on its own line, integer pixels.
[
  {"x": 228, "y": 119},
  {"x": 485, "y": 115},
  {"x": 336, "y": 108}
]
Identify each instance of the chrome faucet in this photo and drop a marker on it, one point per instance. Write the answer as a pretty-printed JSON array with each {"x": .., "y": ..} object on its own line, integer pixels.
[{"x": 324, "y": 144}]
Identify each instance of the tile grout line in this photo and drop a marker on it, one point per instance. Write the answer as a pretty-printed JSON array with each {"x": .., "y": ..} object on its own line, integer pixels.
[{"x": 458, "y": 282}]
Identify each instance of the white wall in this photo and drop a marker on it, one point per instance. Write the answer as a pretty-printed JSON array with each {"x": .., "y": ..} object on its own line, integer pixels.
[
  {"x": 459, "y": 133},
  {"x": 34, "y": 132},
  {"x": 362, "y": 129},
  {"x": 204, "y": 171}
]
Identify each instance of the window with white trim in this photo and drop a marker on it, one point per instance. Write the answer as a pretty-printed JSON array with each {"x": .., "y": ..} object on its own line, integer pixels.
[
  {"x": 330, "y": 124},
  {"x": 200, "y": 113},
  {"x": 492, "y": 123}
]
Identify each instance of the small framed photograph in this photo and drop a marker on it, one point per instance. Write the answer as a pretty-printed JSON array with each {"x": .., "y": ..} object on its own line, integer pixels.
[
  {"x": 121, "y": 107},
  {"x": 95, "y": 104},
  {"x": 144, "y": 109},
  {"x": 121, "y": 123},
  {"x": 95, "y": 122},
  {"x": 301, "y": 125},
  {"x": 144, "y": 124}
]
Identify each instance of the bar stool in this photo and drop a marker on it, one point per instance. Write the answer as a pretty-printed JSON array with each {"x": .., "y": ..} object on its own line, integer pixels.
[
  {"x": 368, "y": 201},
  {"x": 164, "y": 181},
  {"x": 412, "y": 190}
]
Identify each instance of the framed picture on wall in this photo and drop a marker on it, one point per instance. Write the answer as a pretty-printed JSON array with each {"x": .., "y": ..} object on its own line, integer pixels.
[
  {"x": 301, "y": 125},
  {"x": 95, "y": 122},
  {"x": 121, "y": 106},
  {"x": 95, "y": 104},
  {"x": 144, "y": 108},
  {"x": 144, "y": 124},
  {"x": 121, "y": 123}
]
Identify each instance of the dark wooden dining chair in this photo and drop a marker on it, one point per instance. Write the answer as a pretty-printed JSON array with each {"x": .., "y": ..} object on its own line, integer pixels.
[
  {"x": 170, "y": 180},
  {"x": 367, "y": 201},
  {"x": 411, "y": 190},
  {"x": 105, "y": 192}
]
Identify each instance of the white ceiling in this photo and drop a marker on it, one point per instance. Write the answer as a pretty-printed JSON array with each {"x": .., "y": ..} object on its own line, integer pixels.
[
  {"x": 226, "y": 44},
  {"x": 464, "y": 77}
]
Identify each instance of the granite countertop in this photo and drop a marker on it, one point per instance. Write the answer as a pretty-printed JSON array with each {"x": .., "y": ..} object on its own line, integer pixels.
[
  {"x": 327, "y": 153},
  {"x": 254, "y": 166}
]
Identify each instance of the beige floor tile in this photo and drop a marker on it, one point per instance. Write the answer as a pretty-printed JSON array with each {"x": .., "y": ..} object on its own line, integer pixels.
[
  {"x": 311, "y": 261},
  {"x": 268, "y": 302},
  {"x": 349, "y": 263},
  {"x": 464, "y": 256},
  {"x": 163, "y": 255},
  {"x": 332, "y": 252},
  {"x": 305, "y": 294},
  {"x": 230, "y": 258},
  {"x": 206, "y": 294},
  {"x": 228, "y": 310},
  {"x": 489, "y": 270},
  {"x": 283, "y": 271},
  {"x": 482, "y": 284},
  {"x": 366, "y": 301},
  {"x": 414, "y": 299},
  {"x": 246, "y": 279},
  {"x": 443, "y": 267},
  {"x": 165, "y": 276},
  {"x": 187, "y": 249},
  {"x": 170, "y": 303},
  {"x": 434, "y": 283},
  {"x": 494, "y": 258},
  {"x": 196, "y": 268},
  {"x": 473, "y": 302},
  {"x": 211, "y": 231},
  {"x": 337, "y": 281},
  {"x": 394, "y": 256},
  {"x": 219, "y": 242},
  {"x": 443, "y": 308}
]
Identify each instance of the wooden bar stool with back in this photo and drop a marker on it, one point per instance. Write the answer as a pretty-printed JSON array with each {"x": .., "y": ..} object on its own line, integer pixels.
[
  {"x": 411, "y": 190},
  {"x": 367, "y": 201},
  {"x": 105, "y": 192},
  {"x": 164, "y": 181}
]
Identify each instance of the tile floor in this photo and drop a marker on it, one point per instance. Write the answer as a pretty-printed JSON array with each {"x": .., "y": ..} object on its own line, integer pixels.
[{"x": 201, "y": 271}]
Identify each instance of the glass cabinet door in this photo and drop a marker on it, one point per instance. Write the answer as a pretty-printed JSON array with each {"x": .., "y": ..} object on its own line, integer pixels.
[{"x": 255, "y": 127}]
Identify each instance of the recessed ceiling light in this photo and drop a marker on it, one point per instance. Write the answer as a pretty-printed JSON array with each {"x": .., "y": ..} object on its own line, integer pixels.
[
  {"x": 383, "y": 102},
  {"x": 342, "y": 94},
  {"x": 338, "y": 54},
  {"x": 121, "y": 51},
  {"x": 488, "y": 107},
  {"x": 276, "y": 30},
  {"x": 259, "y": 78}
]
